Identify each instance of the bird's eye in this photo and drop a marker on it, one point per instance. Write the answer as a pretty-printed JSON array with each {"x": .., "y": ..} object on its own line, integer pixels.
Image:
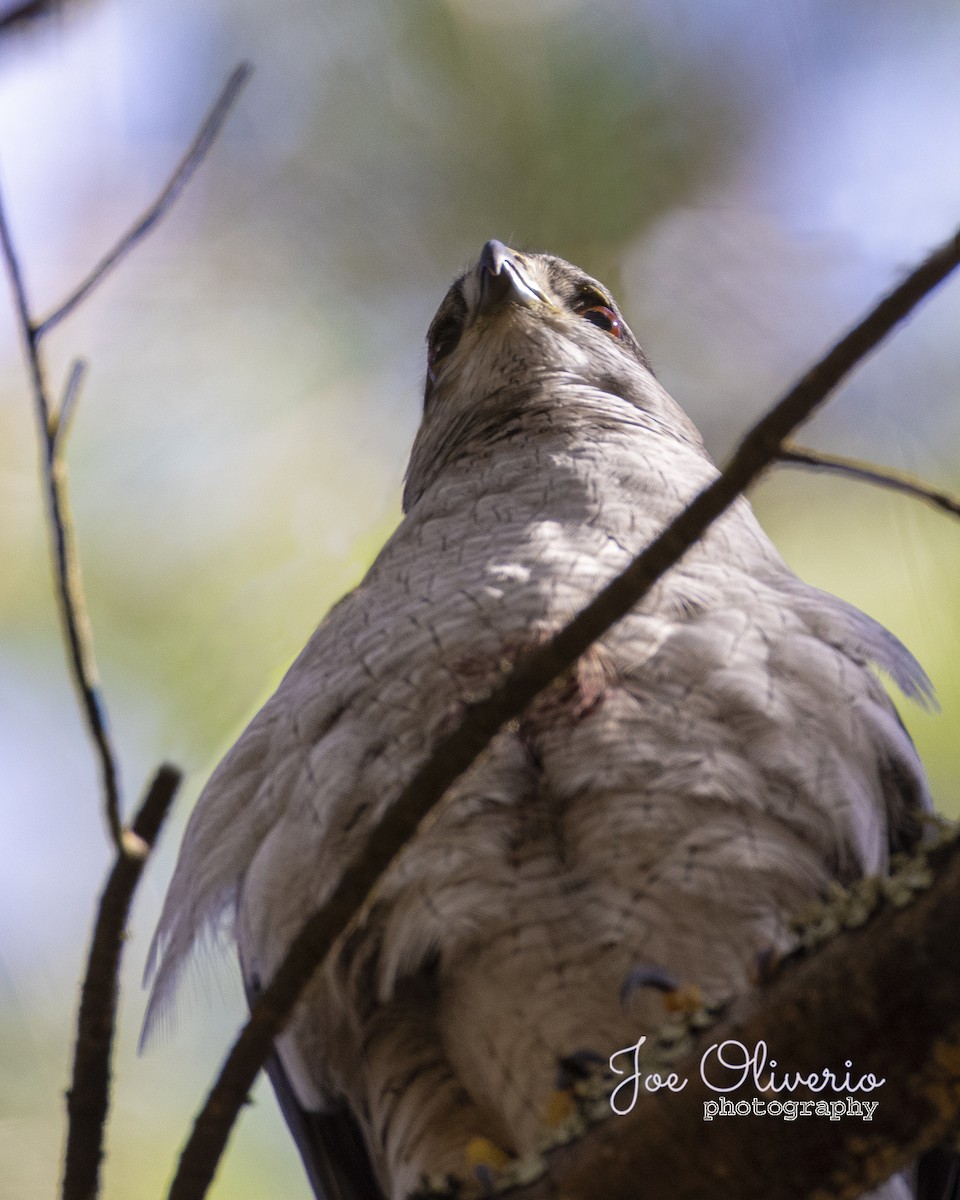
[
  {"x": 443, "y": 341},
  {"x": 604, "y": 318}
]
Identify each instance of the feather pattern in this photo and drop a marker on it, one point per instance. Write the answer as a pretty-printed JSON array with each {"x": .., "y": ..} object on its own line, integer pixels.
[{"x": 718, "y": 759}]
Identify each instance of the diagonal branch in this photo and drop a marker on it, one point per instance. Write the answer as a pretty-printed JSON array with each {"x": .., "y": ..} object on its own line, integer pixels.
[
  {"x": 53, "y": 426},
  {"x": 896, "y": 975},
  {"x": 88, "y": 1098},
  {"x": 89, "y": 1094},
  {"x": 455, "y": 753},
  {"x": 886, "y": 477},
  {"x": 17, "y": 14},
  {"x": 206, "y": 135},
  {"x": 67, "y": 568}
]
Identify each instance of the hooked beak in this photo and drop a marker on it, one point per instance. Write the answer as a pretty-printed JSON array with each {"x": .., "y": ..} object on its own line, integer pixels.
[{"x": 503, "y": 280}]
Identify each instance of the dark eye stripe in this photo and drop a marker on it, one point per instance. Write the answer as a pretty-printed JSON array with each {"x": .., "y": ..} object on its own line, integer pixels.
[
  {"x": 447, "y": 328},
  {"x": 444, "y": 339}
]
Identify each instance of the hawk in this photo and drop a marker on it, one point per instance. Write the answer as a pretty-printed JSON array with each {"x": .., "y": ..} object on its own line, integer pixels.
[{"x": 719, "y": 759}]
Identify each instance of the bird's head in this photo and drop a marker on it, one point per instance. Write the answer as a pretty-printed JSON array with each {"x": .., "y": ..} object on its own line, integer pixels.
[
  {"x": 513, "y": 315},
  {"x": 520, "y": 333}
]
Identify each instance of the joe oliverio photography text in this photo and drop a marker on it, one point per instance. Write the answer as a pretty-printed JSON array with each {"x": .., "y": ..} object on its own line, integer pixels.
[{"x": 729, "y": 1066}]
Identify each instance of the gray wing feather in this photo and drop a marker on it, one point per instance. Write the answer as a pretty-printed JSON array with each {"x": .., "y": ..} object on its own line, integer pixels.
[{"x": 331, "y": 1143}]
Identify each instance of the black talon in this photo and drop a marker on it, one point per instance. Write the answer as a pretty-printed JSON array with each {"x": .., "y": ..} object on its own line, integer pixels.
[
  {"x": 648, "y": 975},
  {"x": 573, "y": 1068},
  {"x": 486, "y": 1178}
]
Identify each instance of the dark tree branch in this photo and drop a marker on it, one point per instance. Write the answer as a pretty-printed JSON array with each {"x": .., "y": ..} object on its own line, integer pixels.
[
  {"x": 455, "y": 753},
  {"x": 53, "y": 426},
  {"x": 69, "y": 585},
  {"x": 89, "y": 1093},
  {"x": 895, "y": 979},
  {"x": 206, "y": 136},
  {"x": 15, "y": 14},
  {"x": 886, "y": 477}
]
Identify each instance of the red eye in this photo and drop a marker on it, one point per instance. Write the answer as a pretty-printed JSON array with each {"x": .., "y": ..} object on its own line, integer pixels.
[{"x": 604, "y": 318}]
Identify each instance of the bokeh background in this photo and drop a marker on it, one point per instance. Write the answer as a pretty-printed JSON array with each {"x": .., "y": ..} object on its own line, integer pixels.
[{"x": 747, "y": 176}]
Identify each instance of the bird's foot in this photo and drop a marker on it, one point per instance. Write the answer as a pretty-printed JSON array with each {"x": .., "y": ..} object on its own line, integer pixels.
[
  {"x": 437, "y": 1187},
  {"x": 582, "y": 1079},
  {"x": 677, "y": 997},
  {"x": 485, "y": 1161}
]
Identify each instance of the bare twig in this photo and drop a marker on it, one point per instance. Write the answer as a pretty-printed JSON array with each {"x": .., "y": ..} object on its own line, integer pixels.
[
  {"x": 53, "y": 426},
  {"x": 89, "y": 1093},
  {"x": 897, "y": 481},
  {"x": 15, "y": 15},
  {"x": 206, "y": 135},
  {"x": 69, "y": 584},
  {"x": 88, "y": 1098},
  {"x": 60, "y": 420},
  {"x": 482, "y": 720}
]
